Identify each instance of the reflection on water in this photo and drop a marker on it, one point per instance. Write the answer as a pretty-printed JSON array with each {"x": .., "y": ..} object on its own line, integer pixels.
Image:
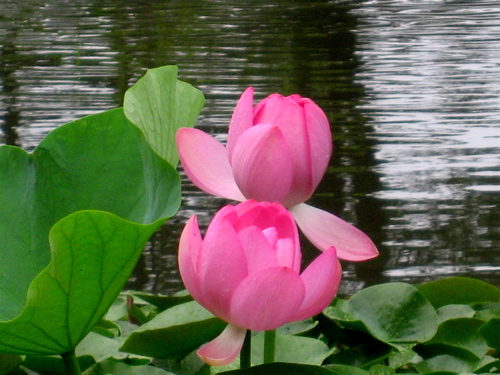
[{"x": 411, "y": 89}]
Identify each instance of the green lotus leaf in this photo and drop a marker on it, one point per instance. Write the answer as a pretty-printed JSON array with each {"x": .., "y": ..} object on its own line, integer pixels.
[
  {"x": 100, "y": 162},
  {"x": 97, "y": 180},
  {"x": 394, "y": 313},
  {"x": 288, "y": 369},
  {"x": 159, "y": 104},
  {"x": 459, "y": 290},
  {"x": 174, "y": 333}
]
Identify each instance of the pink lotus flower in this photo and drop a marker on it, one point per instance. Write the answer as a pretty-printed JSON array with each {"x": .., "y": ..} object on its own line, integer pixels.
[
  {"x": 276, "y": 152},
  {"x": 246, "y": 271}
]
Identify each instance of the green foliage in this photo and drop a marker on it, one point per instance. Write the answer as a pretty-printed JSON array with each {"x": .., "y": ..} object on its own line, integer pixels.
[
  {"x": 93, "y": 254},
  {"x": 396, "y": 325},
  {"x": 361, "y": 335},
  {"x": 459, "y": 290},
  {"x": 174, "y": 333},
  {"x": 158, "y": 99},
  {"x": 393, "y": 313},
  {"x": 111, "y": 366},
  {"x": 101, "y": 162},
  {"x": 77, "y": 212},
  {"x": 290, "y": 349},
  {"x": 283, "y": 369}
]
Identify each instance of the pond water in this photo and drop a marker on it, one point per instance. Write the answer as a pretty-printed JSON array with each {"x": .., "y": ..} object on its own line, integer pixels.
[{"x": 411, "y": 88}]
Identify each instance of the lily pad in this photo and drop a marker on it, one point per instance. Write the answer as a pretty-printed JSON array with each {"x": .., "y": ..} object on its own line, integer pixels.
[
  {"x": 459, "y": 290},
  {"x": 174, "y": 333},
  {"x": 394, "y": 313}
]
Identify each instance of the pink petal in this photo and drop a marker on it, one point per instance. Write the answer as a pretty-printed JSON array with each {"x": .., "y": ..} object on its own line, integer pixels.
[
  {"x": 241, "y": 120},
  {"x": 224, "y": 349},
  {"x": 262, "y": 214},
  {"x": 189, "y": 246},
  {"x": 325, "y": 230},
  {"x": 288, "y": 248},
  {"x": 205, "y": 161},
  {"x": 268, "y": 110},
  {"x": 262, "y": 164},
  {"x": 267, "y": 299},
  {"x": 320, "y": 140},
  {"x": 222, "y": 264},
  {"x": 267, "y": 215},
  {"x": 288, "y": 114},
  {"x": 259, "y": 253},
  {"x": 321, "y": 279}
]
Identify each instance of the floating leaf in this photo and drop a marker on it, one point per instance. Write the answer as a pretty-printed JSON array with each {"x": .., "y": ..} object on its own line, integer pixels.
[
  {"x": 458, "y": 337},
  {"x": 381, "y": 370},
  {"x": 100, "y": 347},
  {"x": 174, "y": 333},
  {"x": 292, "y": 349},
  {"x": 289, "y": 349},
  {"x": 487, "y": 311},
  {"x": 446, "y": 363},
  {"x": 296, "y": 328},
  {"x": 488, "y": 365},
  {"x": 163, "y": 302},
  {"x": 491, "y": 332},
  {"x": 159, "y": 104},
  {"x": 459, "y": 290},
  {"x": 363, "y": 355},
  {"x": 455, "y": 311},
  {"x": 285, "y": 369},
  {"x": 116, "y": 367},
  {"x": 347, "y": 370},
  {"x": 394, "y": 313}
]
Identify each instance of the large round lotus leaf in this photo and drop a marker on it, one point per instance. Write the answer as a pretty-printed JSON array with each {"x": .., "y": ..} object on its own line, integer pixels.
[
  {"x": 394, "y": 313},
  {"x": 100, "y": 162},
  {"x": 157, "y": 99}
]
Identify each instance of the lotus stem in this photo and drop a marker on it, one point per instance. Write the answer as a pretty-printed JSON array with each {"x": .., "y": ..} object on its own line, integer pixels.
[
  {"x": 269, "y": 346},
  {"x": 71, "y": 363},
  {"x": 246, "y": 351}
]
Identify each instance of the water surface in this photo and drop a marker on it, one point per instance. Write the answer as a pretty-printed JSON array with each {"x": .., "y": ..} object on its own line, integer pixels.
[{"x": 411, "y": 88}]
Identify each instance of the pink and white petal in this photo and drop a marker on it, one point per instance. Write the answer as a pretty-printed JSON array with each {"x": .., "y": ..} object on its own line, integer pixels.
[
  {"x": 292, "y": 123},
  {"x": 241, "y": 120},
  {"x": 288, "y": 248},
  {"x": 320, "y": 140},
  {"x": 324, "y": 230},
  {"x": 267, "y": 299},
  {"x": 189, "y": 247},
  {"x": 224, "y": 349},
  {"x": 206, "y": 163},
  {"x": 268, "y": 110},
  {"x": 262, "y": 166},
  {"x": 222, "y": 265},
  {"x": 259, "y": 252},
  {"x": 321, "y": 279},
  {"x": 287, "y": 255},
  {"x": 262, "y": 214}
]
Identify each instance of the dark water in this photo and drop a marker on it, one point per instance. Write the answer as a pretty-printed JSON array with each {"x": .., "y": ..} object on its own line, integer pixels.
[{"x": 412, "y": 90}]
